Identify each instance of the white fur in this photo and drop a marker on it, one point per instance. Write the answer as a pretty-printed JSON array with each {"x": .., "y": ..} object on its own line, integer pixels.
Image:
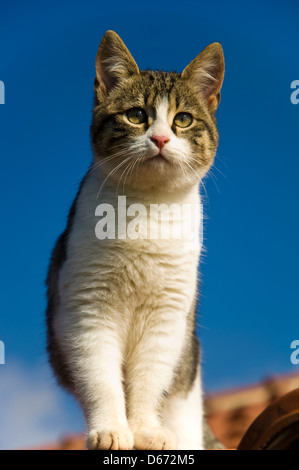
[
  {"x": 126, "y": 302},
  {"x": 184, "y": 416}
]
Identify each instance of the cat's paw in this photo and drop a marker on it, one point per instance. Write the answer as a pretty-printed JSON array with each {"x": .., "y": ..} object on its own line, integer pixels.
[
  {"x": 116, "y": 439},
  {"x": 154, "y": 439}
]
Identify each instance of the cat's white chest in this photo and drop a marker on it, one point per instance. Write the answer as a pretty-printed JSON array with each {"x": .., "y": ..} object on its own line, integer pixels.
[{"x": 148, "y": 257}]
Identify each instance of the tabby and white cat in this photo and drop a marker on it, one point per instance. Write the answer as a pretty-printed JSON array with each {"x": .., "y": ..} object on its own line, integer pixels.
[{"x": 121, "y": 312}]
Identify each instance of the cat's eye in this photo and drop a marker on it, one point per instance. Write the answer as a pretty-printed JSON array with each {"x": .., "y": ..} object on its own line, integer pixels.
[
  {"x": 137, "y": 115},
  {"x": 183, "y": 120}
]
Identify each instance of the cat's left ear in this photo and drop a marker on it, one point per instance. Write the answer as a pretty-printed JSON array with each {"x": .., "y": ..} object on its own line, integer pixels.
[
  {"x": 113, "y": 64},
  {"x": 206, "y": 73}
]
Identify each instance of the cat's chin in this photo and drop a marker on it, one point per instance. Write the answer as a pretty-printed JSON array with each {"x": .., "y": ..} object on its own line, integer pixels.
[
  {"x": 157, "y": 159},
  {"x": 159, "y": 176},
  {"x": 153, "y": 172}
]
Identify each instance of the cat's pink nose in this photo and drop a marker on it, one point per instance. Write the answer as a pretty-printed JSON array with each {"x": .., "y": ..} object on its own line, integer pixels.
[{"x": 160, "y": 140}]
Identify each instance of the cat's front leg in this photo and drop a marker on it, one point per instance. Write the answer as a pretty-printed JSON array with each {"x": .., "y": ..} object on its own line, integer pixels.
[
  {"x": 150, "y": 368},
  {"x": 92, "y": 347}
]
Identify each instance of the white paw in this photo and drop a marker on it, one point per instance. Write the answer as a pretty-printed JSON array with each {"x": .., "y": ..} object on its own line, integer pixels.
[
  {"x": 112, "y": 439},
  {"x": 154, "y": 439}
]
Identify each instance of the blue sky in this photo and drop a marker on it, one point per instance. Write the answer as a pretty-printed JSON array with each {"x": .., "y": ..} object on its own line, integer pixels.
[{"x": 249, "y": 275}]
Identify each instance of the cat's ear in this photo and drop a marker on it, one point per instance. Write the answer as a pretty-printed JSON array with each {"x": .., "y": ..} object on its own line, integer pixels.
[
  {"x": 206, "y": 72},
  {"x": 113, "y": 64}
]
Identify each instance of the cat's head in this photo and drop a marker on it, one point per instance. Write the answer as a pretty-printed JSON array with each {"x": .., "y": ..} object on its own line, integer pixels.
[{"x": 154, "y": 129}]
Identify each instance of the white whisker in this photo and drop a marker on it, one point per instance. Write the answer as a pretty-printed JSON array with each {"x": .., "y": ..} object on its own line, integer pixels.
[{"x": 111, "y": 173}]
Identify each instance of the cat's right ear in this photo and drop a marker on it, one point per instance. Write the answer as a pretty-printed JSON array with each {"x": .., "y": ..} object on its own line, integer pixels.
[{"x": 114, "y": 63}]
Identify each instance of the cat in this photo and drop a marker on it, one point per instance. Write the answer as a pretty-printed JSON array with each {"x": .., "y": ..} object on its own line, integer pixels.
[{"x": 121, "y": 312}]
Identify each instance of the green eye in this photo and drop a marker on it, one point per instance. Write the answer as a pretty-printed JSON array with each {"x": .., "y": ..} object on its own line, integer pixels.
[
  {"x": 137, "y": 115},
  {"x": 183, "y": 119}
]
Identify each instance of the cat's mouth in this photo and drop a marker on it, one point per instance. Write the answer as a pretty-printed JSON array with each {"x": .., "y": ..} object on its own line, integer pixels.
[{"x": 159, "y": 157}]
